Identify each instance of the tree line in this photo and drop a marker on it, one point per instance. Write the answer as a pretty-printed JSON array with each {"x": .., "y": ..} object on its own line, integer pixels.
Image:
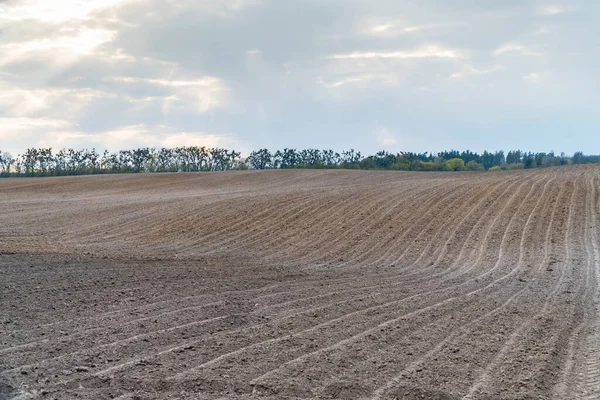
[
  {"x": 408, "y": 161},
  {"x": 46, "y": 162}
]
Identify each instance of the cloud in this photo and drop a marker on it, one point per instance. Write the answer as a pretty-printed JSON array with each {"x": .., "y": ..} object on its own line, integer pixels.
[
  {"x": 552, "y": 10},
  {"x": 59, "y": 102},
  {"x": 532, "y": 76},
  {"x": 422, "y": 52},
  {"x": 350, "y": 80},
  {"x": 13, "y": 124},
  {"x": 208, "y": 82},
  {"x": 384, "y": 137},
  {"x": 55, "y": 11},
  {"x": 201, "y": 94},
  {"x": 61, "y": 49},
  {"x": 17, "y": 134},
  {"x": 537, "y": 78},
  {"x": 294, "y": 73},
  {"x": 59, "y": 134},
  {"x": 393, "y": 28},
  {"x": 469, "y": 70},
  {"x": 514, "y": 48},
  {"x": 542, "y": 30}
]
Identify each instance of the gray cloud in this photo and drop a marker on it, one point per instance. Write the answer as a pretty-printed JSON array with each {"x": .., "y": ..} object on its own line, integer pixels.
[{"x": 259, "y": 73}]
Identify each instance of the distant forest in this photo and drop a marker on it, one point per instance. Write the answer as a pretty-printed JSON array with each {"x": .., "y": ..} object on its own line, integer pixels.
[{"x": 46, "y": 162}]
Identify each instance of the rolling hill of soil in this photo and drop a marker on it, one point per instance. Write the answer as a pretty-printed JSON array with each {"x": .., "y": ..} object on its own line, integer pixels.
[{"x": 301, "y": 284}]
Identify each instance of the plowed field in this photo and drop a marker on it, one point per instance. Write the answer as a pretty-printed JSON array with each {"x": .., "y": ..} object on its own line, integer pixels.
[{"x": 301, "y": 284}]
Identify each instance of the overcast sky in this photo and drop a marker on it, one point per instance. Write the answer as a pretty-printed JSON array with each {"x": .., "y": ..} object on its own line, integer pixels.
[{"x": 423, "y": 75}]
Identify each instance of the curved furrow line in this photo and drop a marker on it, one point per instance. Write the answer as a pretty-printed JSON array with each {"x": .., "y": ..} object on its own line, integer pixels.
[
  {"x": 402, "y": 326},
  {"x": 482, "y": 205},
  {"x": 403, "y": 255},
  {"x": 309, "y": 251},
  {"x": 186, "y": 343},
  {"x": 141, "y": 309},
  {"x": 314, "y": 219},
  {"x": 402, "y": 273},
  {"x": 568, "y": 380},
  {"x": 420, "y": 361},
  {"x": 172, "y": 218},
  {"x": 427, "y": 229},
  {"x": 468, "y": 295},
  {"x": 464, "y": 329},
  {"x": 426, "y": 269},
  {"x": 432, "y": 246},
  {"x": 472, "y": 231},
  {"x": 457, "y": 269},
  {"x": 217, "y": 204},
  {"x": 130, "y": 339},
  {"x": 363, "y": 193},
  {"x": 355, "y": 313},
  {"x": 220, "y": 244},
  {"x": 220, "y": 232},
  {"x": 591, "y": 368},
  {"x": 356, "y": 212},
  {"x": 213, "y": 361},
  {"x": 428, "y": 202},
  {"x": 484, "y": 243},
  {"x": 463, "y": 271},
  {"x": 522, "y": 251},
  {"x": 259, "y": 220},
  {"x": 388, "y": 283},
  {"x": 75, "y": 336},
  {"x": 115, "y": 221},
  {"x": 427, "y": 220},
  {"x": 474, "y": 236},
  {"x": 486, "y": 376},
  {"x": 260, "y": 230},
  {"x": 554, "y": 331}
]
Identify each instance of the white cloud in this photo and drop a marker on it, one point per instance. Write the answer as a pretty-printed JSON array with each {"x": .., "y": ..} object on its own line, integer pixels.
[
  {"x": 57, "y": 134},
  {"x": 378, "y": 29},
  {"x": 8, "y": 124},
  {"x": 384, "y": 137},
  {"x": 514, "y": 48},
  {"x": 537, "y": 78},
  {"x": 253, "y": 52},
  {"x": 350, "y": 80},
  {"x": 469, "y": 70},
  {"x": 55, "y": 11},
  {"x": 198, "y": 139},
  {"x": 64, "y": 102},
  {"x": 141, "y": 135},
  {"x": 61, "y": 49},
  {"x": 392, "y": 28},
  {"x": 552, "y": 10},
  {"x": 199, "y": 95},
  {"x": 422, "y": 52},
  {"x": 542, "y": 30},
  {"x": 532, "y": 76},
  {"x": 16, "y": 134},
  {"x": 208, "y": 82}
]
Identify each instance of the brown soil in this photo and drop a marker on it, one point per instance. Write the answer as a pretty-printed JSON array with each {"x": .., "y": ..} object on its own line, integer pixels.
[{"x": 301, "y": 284}]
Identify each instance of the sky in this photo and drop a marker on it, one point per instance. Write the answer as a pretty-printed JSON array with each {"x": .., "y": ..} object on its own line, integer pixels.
[{"x": 398, "y": 75}]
